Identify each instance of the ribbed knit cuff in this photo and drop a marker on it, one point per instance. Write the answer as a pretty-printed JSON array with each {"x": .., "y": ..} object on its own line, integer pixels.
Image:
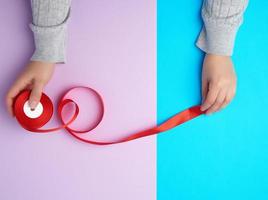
[
  {"x": 217, "y": 39},
  {"x": 50, "y": 43}
]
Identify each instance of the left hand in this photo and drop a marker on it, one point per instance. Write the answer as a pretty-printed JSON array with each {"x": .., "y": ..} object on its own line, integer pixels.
[
  {"x": 35, "y": 76},
  {"x": 218, "y": 82}
]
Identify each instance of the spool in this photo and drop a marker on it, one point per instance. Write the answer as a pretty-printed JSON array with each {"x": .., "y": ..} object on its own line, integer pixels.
[
  {"x": 32, "y": 119},
  {"x": 33, "y": 113}
]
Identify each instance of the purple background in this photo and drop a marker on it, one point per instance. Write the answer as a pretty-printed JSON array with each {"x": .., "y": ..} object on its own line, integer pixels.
[{"x": 112, "y": 48}]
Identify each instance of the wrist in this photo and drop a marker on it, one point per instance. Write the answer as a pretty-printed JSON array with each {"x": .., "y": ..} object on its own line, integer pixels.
[
  {"x": 42, "y": 63},
  {"x": 217, "y": 57}
]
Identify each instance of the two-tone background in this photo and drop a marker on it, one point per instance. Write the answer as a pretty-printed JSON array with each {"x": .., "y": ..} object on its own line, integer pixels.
[{"x": 140, "y": 55}]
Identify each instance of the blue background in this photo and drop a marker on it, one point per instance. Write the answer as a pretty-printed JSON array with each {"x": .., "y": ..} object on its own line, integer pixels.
[{"x": 222, "y": 156}]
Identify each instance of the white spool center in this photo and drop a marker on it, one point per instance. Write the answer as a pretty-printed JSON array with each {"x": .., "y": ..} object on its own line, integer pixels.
[{"x": 37, "y": 112}]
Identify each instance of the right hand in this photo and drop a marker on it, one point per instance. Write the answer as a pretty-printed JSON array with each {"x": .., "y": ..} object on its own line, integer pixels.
[
  {"x": 35, "y": 76},
  {"x": 218, "y": 82}
]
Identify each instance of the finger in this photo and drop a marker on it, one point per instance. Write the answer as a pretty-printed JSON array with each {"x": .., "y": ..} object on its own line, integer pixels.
[
  {"x": 211, "y": 97},
  {"x": 36, "y": 94},
  {"x": 204, "y": 90},
  {"x": 227, "y": 99},
  {"x": 217, "y": 104},
  {"x": 17, "y": 87}
]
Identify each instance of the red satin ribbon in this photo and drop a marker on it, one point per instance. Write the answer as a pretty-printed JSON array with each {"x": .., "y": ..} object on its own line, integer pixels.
[{"x": 34, "y": 125}]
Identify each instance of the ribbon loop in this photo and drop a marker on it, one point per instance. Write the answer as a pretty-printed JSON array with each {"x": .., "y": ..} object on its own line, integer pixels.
[{"x": 35, "y": 124}]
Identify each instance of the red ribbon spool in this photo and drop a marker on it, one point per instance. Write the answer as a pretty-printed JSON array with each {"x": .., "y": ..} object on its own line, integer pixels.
[{"x": 34, "y": 124}]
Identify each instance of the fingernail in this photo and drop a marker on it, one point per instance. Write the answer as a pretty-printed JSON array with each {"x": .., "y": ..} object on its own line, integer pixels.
[{"x": 33, "y": 104}]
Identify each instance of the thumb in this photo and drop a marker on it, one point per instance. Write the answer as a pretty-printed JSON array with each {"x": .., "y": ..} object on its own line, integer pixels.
[{"x": 35, "y": 95}]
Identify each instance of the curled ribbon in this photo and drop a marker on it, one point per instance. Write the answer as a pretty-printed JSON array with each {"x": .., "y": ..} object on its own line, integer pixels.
[{"x": 35, "y": 124}]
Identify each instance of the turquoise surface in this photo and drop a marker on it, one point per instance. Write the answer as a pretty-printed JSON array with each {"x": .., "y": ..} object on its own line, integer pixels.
[{"x": 223, "y": 156}]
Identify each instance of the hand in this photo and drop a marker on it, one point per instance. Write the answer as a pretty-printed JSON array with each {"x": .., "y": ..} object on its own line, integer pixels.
[
  {"x": 218, "y": 83},
  {"x": 35, "y": 76}
]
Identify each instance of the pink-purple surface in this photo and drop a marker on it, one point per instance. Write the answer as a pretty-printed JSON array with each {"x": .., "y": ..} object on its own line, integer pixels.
[{"x": 112, "y": 48}]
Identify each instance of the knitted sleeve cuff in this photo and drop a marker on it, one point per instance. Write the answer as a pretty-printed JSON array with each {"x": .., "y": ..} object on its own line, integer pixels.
[
  {"x": 50, "y": 43},
  {"x": 217, "y": 39}
]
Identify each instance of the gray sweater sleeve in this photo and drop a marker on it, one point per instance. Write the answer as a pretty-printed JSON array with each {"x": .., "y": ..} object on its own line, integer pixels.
[
  {"x": 49, "y": 27},
  {"x": 222, "y": 19}
]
